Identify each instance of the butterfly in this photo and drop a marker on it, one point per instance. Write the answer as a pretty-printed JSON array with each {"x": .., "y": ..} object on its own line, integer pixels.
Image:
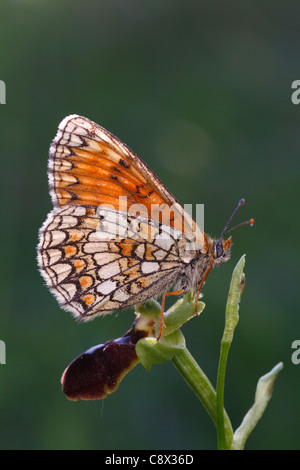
[{"x": 116, "y": 236}]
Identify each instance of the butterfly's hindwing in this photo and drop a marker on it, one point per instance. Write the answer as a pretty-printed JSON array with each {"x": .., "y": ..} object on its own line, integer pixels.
[{"x": 92, "y": 271}]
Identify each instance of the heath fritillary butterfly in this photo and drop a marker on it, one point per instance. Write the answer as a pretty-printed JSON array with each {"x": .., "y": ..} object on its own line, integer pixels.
[{"x": 116, "y": 236}]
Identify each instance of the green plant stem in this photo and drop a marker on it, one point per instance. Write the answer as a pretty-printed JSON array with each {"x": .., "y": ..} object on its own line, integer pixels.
[
  {"x": 223, "y": 443},
  {"x": 201, "y": 386},
  {"x": 231, "y": 321}
]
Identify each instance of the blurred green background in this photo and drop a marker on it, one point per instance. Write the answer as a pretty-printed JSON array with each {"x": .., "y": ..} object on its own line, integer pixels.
[{"x": 202, "y": 92}]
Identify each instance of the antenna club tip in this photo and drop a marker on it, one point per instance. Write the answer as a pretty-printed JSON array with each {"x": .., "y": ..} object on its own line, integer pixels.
[
  {"x": 251, "y": 222},
  {"x": 241, "y": 202}
]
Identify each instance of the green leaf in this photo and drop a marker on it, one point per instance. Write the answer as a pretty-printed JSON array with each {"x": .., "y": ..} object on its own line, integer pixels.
[{"x": 262, "y": 396}]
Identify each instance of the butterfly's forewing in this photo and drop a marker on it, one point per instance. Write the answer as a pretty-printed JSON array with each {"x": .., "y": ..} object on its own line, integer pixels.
[{"x": 90, "y": 166}]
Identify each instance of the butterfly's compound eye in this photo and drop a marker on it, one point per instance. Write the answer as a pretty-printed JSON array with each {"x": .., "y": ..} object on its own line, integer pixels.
[{"x": 219, "y": 250}]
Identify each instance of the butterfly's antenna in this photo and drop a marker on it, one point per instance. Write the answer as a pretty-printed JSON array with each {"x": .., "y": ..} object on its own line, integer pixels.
[{"x": 248, "y": 222}]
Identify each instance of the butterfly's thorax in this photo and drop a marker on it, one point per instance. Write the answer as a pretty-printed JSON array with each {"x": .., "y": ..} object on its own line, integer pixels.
[{"x": 197, "y": 260}]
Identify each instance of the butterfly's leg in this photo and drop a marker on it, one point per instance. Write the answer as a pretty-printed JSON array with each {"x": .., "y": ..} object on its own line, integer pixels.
[
  {"x": 177, "y": 292},
  {"x": 201, "y": 284}
]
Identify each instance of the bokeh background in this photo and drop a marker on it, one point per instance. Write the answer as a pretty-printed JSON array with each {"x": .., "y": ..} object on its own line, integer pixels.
[{"x": 202, "y": 92}]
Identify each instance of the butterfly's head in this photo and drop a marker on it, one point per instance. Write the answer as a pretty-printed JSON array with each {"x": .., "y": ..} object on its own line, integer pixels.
[
  {"x": 222, "y": 251},
  {"x": 222, "y": 248}
]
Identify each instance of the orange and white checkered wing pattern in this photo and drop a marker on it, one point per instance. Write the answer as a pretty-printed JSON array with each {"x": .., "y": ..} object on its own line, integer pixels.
[
  {"x": 91, "y": 274},
  {"x": 116, "y": 235}
]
